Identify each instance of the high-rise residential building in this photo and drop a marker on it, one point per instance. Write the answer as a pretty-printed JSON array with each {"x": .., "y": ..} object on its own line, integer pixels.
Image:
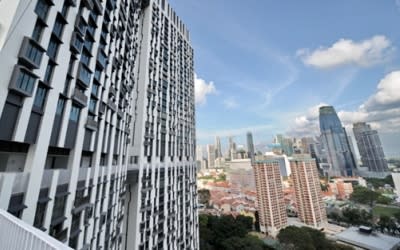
[
  {"x": 310, "y": 206},
  {"x": 271, "y": 205},
  {"x": 218, "y": 150},
  {"x": 370, "y": 147},
  {"x": 94, "y": 95},
  {"x": 250, "y": 146},
  {"x": 335, "y": 143},
  {"x": 211, "y": 156}
]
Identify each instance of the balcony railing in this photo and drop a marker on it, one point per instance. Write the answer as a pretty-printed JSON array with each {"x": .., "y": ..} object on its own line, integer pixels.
[{"x": 17, "y": 234}]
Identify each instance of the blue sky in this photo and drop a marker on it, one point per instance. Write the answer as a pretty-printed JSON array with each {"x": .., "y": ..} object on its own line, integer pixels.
[{"x": 265, "y": 66}]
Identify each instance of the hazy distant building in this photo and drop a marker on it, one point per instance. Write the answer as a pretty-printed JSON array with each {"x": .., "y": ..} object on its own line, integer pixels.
[
  {"x": 311, "y": 208},
  {"x": 232, "y": 149},
  {"x": 211, "y": 155},
  {"x": 335, "y": 143},
  {"x": 286, "y": 144},
  {"x": 218, "y": 150},
  {"x": 240, "y": 173},
  {"x": 271, "y": 205},
  {"x": 370, "y": 147},
  {"x": 250, "y": 146},
  {"x": 396, "y": 181}
]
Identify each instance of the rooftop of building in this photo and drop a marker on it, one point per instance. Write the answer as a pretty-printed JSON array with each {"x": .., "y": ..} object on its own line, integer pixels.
[{"x": 373, "y": 241}]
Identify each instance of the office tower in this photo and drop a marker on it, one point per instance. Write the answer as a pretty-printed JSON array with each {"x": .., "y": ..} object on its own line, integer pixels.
[
  {"x": 271, "y": 205},
  {"x": 335, "y": 143},
  {"x": 311, "y": 208},
  {"x": 77, "y": 93},
  {"x": 211, "y": 156},
  {"x": 250, "y": 147},
  {"x": 218, "y": 150},
  {"x": 370, "y": 147}
]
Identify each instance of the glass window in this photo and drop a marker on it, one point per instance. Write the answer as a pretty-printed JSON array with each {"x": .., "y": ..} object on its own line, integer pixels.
[
  {"x": 37, "y": 31},
  {"x": 25, "y": 81},
  {"x": 74, "y": 116},
  {"x": 60, "y": 106},
  {"x": 58, "y": 27},
  {"x": 49, "y": 73},
  {"x": 40, "y": 214},
  {"x": 52, "y": 49},
  {"x": 40, "y": 97},
  {"x": 85, "y": 58},
  {"x": 34, "y": 53},
  {"x": 92, "y": 105},
  {"x": 64, "y": 10},
  {"x": 42, "y": 9},
  {"x": 84, "y": 75},
  {"x": 95, "y": 89}
]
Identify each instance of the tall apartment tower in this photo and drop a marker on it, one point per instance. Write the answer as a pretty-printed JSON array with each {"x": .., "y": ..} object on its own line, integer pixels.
[
  {"x": 335, "y": 143},
  {"x": 370, "y": 147},
  {"x": 163, "y": 203},
  {"x": 271, "y": 205},
  {"x": 75, "y": 104},
  {"x": 311, "y": 208},
  {"x": 211, "y": 156},
  {"x": 250, "y": 147},
  {"x": 218, "y": 150}
]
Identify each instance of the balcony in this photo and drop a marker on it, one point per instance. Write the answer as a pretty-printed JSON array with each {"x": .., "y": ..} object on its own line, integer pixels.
[
  {"x": 16, "y": 234},
  {"x": 76, "y": 43},
  {"x": 91, "y": 124},
  {"x": 80, "y": 98},
  {"x": 112, "y": 105},
  {"x": 84, "y": 75},
  {"x": 31, "y": 53}
]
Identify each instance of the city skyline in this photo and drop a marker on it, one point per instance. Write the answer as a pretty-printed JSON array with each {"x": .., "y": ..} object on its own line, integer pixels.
[{"x": 291, "y": 65}]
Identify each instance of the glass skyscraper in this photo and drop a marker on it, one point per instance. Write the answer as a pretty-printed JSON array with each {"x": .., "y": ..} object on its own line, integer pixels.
[
  {"x": 335, "y": 143},
  {"x": 370, "y": 147}
]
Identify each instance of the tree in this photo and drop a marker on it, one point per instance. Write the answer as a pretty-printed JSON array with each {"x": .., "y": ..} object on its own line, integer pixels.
[
  {"x": 204, "y": 196},
  {"x": 247, "y": 243},
  {"x": 364, "y": 195},
  {"x": 384, "y": 200},
  {"x": 245, "y": 222},
  {"x": 215, "y": 232},
  {"x": 384, "y": 222},
  {"x": 318, "y": 238},
  {"x": 295, "y": 238}
]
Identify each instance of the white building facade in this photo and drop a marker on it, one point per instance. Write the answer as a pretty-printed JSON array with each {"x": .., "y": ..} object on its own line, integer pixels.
[{"x": 78, "y": 111}]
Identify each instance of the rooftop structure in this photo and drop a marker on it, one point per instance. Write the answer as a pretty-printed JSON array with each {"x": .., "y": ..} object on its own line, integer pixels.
[{"x": 364, "y": 240}]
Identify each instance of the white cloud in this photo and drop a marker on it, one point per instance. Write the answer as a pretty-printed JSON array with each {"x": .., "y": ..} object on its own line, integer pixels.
[
  {"x": 397, "y": 2},
  {"x": 307, "y": 124},
  {"x": 381, "y": 110},
  {"x": 387, "y": 95},
  {"x": 231, "y": 103},
  {"x": 203, "y": 89},
  {"x": 347, "y": 52}
]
